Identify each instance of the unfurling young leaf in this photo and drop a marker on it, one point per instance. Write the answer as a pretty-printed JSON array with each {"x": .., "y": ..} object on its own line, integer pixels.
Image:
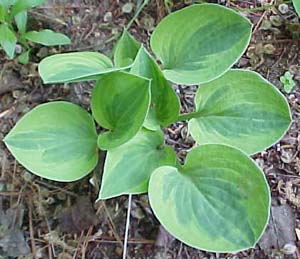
[
  {"x": 47, "y": 38},
  {"x": 199, "y": 43},
  {"x": 74, "y": 66},
  {"x": 218, "y": 201},
  {"x": 126, "y": 49},
  {"x": 8, "y": 40},
  {"x": 164, "y": 101},
  {"x": 120, "y": 103},
  {"x": 133, "y": 162},
  {"x": 240, "y": 109},
  {"x": 21, "y": 21},
  {"x": 57, "y": 141}
]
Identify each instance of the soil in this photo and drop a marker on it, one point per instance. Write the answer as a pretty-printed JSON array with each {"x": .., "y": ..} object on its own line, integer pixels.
[{"x": 46, "y": 219}]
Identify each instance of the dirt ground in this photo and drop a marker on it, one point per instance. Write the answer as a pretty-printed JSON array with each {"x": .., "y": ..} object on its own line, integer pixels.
[{"x": 46, "y": 219}]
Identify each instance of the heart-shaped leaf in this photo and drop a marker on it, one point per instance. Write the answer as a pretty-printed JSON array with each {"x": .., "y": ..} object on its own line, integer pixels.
[
  {"x": 8, "y": 40},
  {"x": 47, "y": 38},
  {"x": 199, "y": 43},
  {"x": 240, "y": 109},
  {"x": 57, "y": 141},
  {"x": 218, "y": 201},
  {"x": 126, "y": 50},
  {"x": 132, "y": 164},
  {"x": 120, "y": 102},
  {"x": 164, "y": 101},
  {"x": 76, "y": 66}
]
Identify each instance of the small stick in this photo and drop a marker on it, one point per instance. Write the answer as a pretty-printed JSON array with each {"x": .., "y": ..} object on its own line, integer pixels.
[
  {"x": 32, "y": 240},
  {"x": 136, "y": 14},
  {"x": 112, "y": 225},
  {"x": 127, "y": 227}
]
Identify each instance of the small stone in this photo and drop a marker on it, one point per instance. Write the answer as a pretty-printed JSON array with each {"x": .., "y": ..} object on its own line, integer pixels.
[
  {"x": 107, "y": 17},
  {"x": 283, "y": 8},
  {"x": 18, "y": 49},
  {"x": 43, "y": 52},
  {"x": 269, "y": 49},
  {"x": 289, "y": 249},
  {"x": 127, "y": 8},
  {"x": 28, "y": 177}
]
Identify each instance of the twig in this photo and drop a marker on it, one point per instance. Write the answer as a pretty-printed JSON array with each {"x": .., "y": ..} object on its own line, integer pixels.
[
  {"x": 127, "y": 227},
  {"x": 43, "y": 16},
  {"x": 32, "y": 240},
  {"x": 51, "y": 186},
  {"x": 86, "y": 242},
  {"x": 136, "y": 14},
  {"x": 112, "y": 225}
]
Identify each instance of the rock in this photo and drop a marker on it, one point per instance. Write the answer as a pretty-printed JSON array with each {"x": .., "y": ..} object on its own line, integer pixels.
[{"x": 280, "y": 230}]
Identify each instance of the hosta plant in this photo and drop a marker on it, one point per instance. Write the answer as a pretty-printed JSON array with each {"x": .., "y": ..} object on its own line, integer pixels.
[
  {"x": 13, "y": 29},
  {"x": 219, "y": 199}
]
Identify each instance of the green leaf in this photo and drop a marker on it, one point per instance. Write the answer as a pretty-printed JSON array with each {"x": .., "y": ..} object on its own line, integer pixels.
[
  {"x": 7, "y": 3},
  {"x": 23, "y": 5},
  {"x": 74, "y": 66},
  {"x": 288, "y": 82},
  {"x": 164, "y": 101},
  {"x": 240, "y": 109},
  {"x": 2, "y": 13},
  {"x": 47, "y": 38},
  {"x": 200, "y": 43},
  {"x": 128, "y": 167},
  {"x": 120, "y": 102},
  {"x": 8, "y": 40},
  {"x": 57, "y": 141},
  {"x": 21, "y": 21},
  {"x": 219, "y": 201},
  {"x": 126, "y": 50},
  {"x": 24, "y": 57},
  {"x": 296, "y": 4},
  {"x": 151, "y": 122}
]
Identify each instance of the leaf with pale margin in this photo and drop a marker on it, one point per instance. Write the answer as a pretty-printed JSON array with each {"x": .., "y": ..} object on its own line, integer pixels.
[
  {"x": 218, "y": 201},
  {"x": 47, "y": 38},
  {"x": 75, "y": 66},
  {"x": 120, "y": 103},
  {"x": 8, "y": 40},
  {"x": 296, "y": 4},
  {"x": 126, "y": 49},
  {"x": 57, "y": 141},
  {"x": 240, "y": 109},
  {"x": 200, "y": 43},
  {"x": 164, "y": 101},
  {"x": 132, "y": 164}
]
